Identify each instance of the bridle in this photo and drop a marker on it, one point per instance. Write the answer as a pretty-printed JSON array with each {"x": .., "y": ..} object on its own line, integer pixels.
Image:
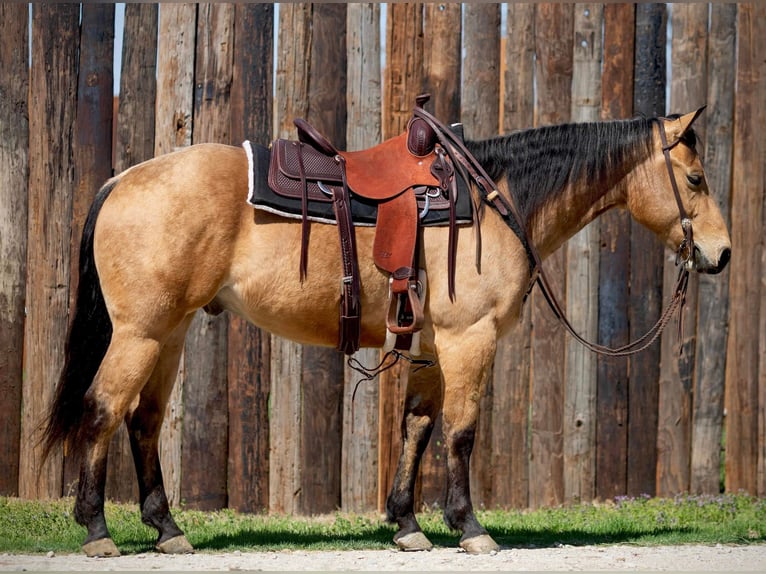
[{"x": 508, "y": 211}]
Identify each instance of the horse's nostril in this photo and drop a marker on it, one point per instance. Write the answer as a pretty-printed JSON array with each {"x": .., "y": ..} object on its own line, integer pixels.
[{"x": 723, "y": 260}]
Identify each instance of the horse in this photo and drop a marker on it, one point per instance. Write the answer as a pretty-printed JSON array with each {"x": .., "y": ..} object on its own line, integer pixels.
[{"x": 174, "y": 234}]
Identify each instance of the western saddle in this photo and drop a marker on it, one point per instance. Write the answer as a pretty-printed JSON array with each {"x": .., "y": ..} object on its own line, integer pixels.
[{"x": 389, "y": 175}]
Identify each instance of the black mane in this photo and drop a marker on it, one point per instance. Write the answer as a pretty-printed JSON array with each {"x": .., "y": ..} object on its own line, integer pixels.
[{"x": 539, "y": 163}]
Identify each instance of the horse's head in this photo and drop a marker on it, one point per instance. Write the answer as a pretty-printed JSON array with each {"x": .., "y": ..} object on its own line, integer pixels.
[{"x": 653, "y": 202}]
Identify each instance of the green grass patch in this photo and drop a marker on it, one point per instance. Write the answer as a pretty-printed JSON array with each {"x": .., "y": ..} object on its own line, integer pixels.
[{"x": 42, "y": 526}]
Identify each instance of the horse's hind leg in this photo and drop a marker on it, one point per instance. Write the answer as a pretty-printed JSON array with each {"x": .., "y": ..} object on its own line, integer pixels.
[
  {"x": 125, "y": 369},
  {"x": 144, "y": 424},
  {"x": 421, "y": 407}
]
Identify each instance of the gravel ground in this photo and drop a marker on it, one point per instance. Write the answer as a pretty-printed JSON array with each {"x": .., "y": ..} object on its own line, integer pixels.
[{"x": 578, "y": 558}]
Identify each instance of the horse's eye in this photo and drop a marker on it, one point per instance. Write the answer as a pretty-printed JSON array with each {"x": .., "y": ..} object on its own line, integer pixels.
[{"x": 694, "y": 180}]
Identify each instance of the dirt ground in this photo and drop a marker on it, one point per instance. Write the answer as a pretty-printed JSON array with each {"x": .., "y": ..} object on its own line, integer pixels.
[{"x": 576, "y": 558}]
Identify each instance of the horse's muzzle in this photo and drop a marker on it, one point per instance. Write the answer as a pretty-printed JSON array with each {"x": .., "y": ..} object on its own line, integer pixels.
[{"x": 703, "y": 265}]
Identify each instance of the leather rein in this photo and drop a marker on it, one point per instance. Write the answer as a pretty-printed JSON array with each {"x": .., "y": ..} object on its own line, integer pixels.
[{"x": 508, "y": 211}]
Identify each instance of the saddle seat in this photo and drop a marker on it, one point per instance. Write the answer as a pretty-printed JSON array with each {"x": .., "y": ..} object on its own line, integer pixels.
[{"x": 388, "y": 175}]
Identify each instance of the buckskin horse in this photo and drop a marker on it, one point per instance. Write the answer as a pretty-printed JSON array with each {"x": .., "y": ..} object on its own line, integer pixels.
[{"x": 174, "y": 234}]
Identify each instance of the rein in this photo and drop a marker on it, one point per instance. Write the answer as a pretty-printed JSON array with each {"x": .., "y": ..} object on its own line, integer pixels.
[{"x": 510, "y": 215}]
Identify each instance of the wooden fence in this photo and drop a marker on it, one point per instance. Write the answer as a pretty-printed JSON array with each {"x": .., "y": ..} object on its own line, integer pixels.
[{"x": 258, "y": 422}]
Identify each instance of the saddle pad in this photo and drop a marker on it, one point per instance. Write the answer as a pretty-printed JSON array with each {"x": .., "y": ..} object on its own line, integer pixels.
[{"x": 364, "y": 211}]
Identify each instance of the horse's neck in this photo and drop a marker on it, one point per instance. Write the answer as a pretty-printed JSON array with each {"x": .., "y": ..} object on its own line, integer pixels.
[{"x": 579, "y": 204}]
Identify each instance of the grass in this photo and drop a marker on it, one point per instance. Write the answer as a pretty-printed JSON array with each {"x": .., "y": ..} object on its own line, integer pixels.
[{"x": 42, "y": 526}]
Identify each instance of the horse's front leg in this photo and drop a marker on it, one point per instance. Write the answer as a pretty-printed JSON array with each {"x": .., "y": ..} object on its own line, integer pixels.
[
  {"x": 465, "y": 363},
  {"x": 421, "y": 406}
]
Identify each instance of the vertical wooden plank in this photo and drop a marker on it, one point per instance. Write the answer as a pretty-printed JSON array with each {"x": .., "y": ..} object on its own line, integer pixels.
[
  {"x": 582, "y": 278},
  {"x": 93, "y": 138},
  {"x": 134, "y": 143},
  {"x": 713, "y": 299},
  {"x": 52, "y": 107},
  {"x": 553, "y": 41},
  {"x": 743, "y": 370},
  {"x": 359, "y": 453},
  {"x": 249, "y": 358},
  {"x": 402, "y": 81},
  {"x": 480, "y": 113},
  {"x": 511, "y": 372},
  {"x": 204, "y": 441},
  {"x": 173, "y": 130},
  {"x": 442, "y": 75},
  {"x": 687, "y": 92},
  {"x": 646, "y": 264},
  {"x": 442, "y": 58},
  {"x": 323, "y": 367},
  {"x": 14, "y": 182},
  {"x": 291, "y": 101},
  {"x": 614, "y": 269}
]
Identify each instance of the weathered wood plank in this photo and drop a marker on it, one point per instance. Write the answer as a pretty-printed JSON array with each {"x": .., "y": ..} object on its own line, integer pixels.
[
  {"x": 646, "y": 264},
  {"x": 14, "y": 182},
  {"x": 93, "y": 138},
  {"x": 173, "y": 130},
  {"x": 204, "y": 441},
  {"x": 614, "y": 269},
  {"x": 402, "y": 81},
  {"x": 249, "y": 362},
  {"x": 713, "y": 299},
  {"x": 442, "y": 73},
  {"x": 480, "y": 114},
  {"x": 511, "y": 372},
  {"x": 554, "y": 24},
  {"x": 134, "y": 143},
  {"x": 291, "y": 101},
  {"x": 582, "y": 278},
  {"x": 322, "y": 425},
  {"x": 743, "y": 370},
  {"x": 52, "y": 110},
  {"x": 687, "y": 92},
  {"x": 359, "y": 453}
]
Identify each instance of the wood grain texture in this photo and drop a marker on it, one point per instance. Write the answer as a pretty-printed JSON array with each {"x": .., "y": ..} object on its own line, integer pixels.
[
  {"x": 582, "y": 278},
  {"x": 93, "y": 140},
  {"x": 614, "y": 269},
  {"x": 292, "y": 85},
  {"x": 743, "y": 371},
  {"x": 687, "y": 92},
  {"x": 173, "y": 130},
  {"x": 646, "y": 261},
  {"x": 511, "y": 372},
  {"x": 480, "y": 115},
  {"x": 14, "y": 182},
  {"x": 402, "y": 81},
  {"x": 322, "y": 425},
  {"x": 248, "y": 348},
  {"x": 713, "y": 299},
  {"x": 133, "y": 143},
  {"x": 554, "y": 25},
  {"x": 52, "y": 112},
  {"x": 441, "y": 78},
  {"x": 359, "y": 452}
]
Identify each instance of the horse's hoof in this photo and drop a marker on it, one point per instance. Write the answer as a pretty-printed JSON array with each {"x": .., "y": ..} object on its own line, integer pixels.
[
  {"x": 482, "y": 544},
  {"x": 413, "y": 542},
  {"x": 176, "y": 545},
  {"x": 101, "y": 548}
]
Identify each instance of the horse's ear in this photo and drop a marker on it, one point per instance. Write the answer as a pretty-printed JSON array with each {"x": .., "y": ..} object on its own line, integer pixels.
[{"x": 681, "y": 125}]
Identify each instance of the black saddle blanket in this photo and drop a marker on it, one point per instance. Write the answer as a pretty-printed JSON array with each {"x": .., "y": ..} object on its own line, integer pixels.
[{"x": 364, "y": 212}]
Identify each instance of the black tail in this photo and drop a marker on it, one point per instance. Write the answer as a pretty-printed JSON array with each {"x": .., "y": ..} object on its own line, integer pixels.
[{"x": 87, "y": 341}]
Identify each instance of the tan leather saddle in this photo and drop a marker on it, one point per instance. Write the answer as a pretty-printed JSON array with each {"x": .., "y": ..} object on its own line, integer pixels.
[{"x": 388, "y": 174}]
